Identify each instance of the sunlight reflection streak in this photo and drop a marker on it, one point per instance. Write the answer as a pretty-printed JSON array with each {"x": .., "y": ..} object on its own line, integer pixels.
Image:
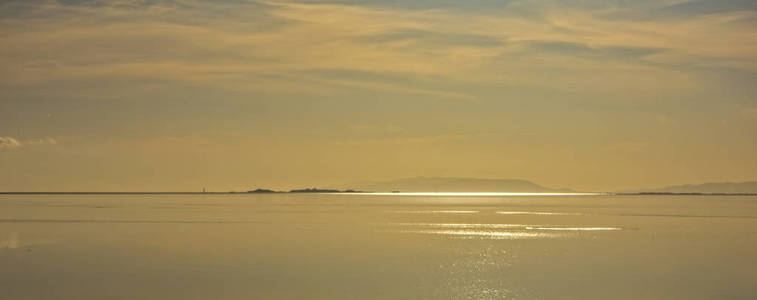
[
  {"x": 435, "y": 211},
  {"x": 539, "y": 213},
  {"x": 484, "y": 234},
  {"x": 574, "y": 228},
  {"x": 461, "y": 225}
]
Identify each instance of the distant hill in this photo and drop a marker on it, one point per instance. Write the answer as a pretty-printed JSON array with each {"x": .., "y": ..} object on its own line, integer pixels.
[
  {"x": 709, "y": 188},
  {"x": 445, "y": 184}
]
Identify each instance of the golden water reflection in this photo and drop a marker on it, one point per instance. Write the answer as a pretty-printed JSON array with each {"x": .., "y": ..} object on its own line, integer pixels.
[
  {"x": 485, "y": 234},
  {"x": 537, "y": 213},
  {"x": 435, "y": 211},
  {"x": 492, "y": 231}
]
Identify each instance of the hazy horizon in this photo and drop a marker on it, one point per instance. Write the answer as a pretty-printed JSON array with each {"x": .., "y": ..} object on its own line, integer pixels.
[{"x": 453, "y": 185}]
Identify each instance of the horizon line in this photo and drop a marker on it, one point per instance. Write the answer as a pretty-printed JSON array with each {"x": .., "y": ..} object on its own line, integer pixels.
[{"x": 443, "y": 194}]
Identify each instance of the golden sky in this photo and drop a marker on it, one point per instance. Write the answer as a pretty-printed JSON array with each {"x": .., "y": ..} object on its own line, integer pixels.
[{"x": 229, "y": 95}]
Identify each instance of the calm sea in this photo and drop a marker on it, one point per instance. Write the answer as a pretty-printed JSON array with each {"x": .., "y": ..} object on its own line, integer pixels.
[{"x": 347, "y": 246}]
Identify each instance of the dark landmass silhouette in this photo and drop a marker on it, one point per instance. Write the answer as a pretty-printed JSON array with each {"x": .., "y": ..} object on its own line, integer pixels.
[
  {"x": 742, "y": 188},
  {"x": 262, "y": 191},
  {"x": 453, "y": 185},
  {"x": 307, "y": 190},
  {"x": 315, "y": 190}
]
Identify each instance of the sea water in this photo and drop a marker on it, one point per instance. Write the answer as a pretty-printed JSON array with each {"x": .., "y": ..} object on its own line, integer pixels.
[{"x": 363, "y": 246}]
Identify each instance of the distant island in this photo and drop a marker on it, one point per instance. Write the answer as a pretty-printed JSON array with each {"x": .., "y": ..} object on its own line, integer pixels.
[
  {"x": 262, "y": 191},
  {"x": 315, "y": 190},
  {"x": 455, "y": 185},
  {"x": 307, "y": 190},
  {"x": 461, "y": 185},
  {"x": 719, "y": 188}
]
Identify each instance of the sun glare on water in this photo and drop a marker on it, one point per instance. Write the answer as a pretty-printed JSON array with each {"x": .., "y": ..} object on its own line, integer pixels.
[{"x": 478, "y": 194}]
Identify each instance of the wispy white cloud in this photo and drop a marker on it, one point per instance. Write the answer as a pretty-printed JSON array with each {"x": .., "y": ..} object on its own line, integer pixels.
[{"x": 7, "y": 142}]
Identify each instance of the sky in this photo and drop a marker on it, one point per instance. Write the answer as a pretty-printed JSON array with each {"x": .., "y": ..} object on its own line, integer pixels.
[{"x": 178, "y": 95}]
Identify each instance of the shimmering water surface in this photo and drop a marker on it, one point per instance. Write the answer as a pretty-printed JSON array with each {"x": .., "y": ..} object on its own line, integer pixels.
[{"x": 329, "y": 246}]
